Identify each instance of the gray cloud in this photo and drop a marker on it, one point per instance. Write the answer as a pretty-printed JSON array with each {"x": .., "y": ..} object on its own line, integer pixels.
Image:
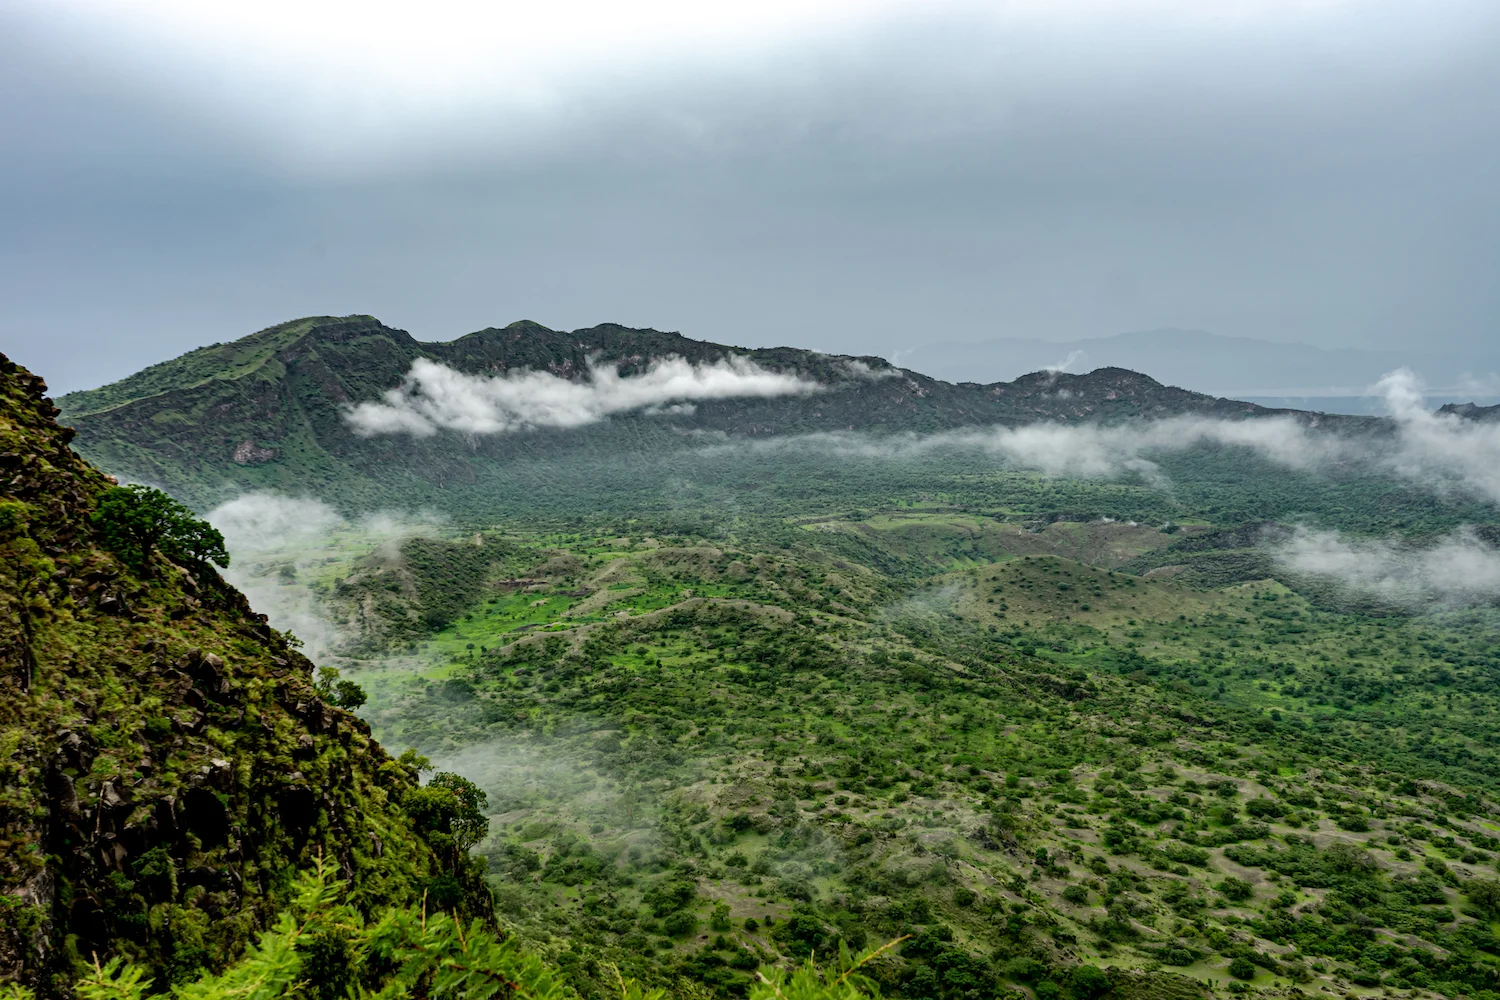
[
  {"x": 1438, "y": 448},
  {"x": 434, "y": 397},
  {"x": 912, "y": 175}
]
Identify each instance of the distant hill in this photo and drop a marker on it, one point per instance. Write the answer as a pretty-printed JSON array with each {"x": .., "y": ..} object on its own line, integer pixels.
[
  {"x": 1469, "y": 411},
  {"x": 268, "y": 411},
  {"x": 1228, "y": 366}
]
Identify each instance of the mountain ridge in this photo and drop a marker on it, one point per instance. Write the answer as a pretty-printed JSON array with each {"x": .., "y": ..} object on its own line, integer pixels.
[{"x": 270, "y": 410}]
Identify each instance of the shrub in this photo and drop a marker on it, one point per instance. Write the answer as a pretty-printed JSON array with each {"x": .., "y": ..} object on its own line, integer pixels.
[
  {"x": 1025, "y": 969},
  {"x": 1484, "y": 893},
  {"x": 1236, "y": 890},
  {"x": 1242, "y": 968},
  {"x": 680, "y": 924},
  {"x": 1088, "y": 982},
  {"x": 1263, "y": 808}
]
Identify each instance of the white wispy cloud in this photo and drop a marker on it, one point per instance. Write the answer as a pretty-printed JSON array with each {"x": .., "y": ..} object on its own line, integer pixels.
[
  {"x": 1089, "y": 451},
  {"x": 1459, "y": 569},
  {"x": 1443, "y": 450},
  {"x": 268, "y": 534},
  {"x": 434, "y": 397}
]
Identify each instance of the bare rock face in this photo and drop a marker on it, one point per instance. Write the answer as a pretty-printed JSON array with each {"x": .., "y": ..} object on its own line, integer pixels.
[{"x": 247, "y": 452}]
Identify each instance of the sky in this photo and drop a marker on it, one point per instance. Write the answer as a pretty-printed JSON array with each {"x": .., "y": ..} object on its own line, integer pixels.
[{"x": 860, "y": 176}]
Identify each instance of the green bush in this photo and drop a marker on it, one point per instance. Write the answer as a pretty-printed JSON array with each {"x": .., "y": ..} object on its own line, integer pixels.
[
  {"x": 680, "y": 924},
  {"x": 321, "y": 946},
  {"x": 1236, "y": 890}
]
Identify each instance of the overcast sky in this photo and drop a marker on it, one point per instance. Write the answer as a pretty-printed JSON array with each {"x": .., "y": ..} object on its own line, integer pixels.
[{"x": 857, "y": 176}]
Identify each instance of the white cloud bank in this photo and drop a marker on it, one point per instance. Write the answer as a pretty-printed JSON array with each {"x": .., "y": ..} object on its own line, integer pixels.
[
  {"x": 1460, "y": 569},
  {"x": 434, "y": 397},
  {"x": 1441, "y": 452}
]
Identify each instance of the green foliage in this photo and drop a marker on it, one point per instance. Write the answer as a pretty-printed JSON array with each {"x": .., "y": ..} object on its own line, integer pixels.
[
  {"x": 449, "y": 809},
  {"x": 843, "y": 980},
  {"x": 343, "y": 693},
  {"x": 322, "y": 946},
  {"x": 1484, "y": 893},
  {"x": 137, "y": 521},
  {"x": 1235, "y": 890}
]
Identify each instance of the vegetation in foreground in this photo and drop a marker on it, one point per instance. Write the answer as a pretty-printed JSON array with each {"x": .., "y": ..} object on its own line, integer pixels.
[{"x": 167, "y": 761}]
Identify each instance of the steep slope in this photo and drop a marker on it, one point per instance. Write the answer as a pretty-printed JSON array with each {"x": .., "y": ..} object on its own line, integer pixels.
[
  {"x": 268, "y": 411},
  {"x": 167, "y": 761}
]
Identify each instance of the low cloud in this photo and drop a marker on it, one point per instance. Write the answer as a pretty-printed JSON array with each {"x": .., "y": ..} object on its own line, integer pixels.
[
  {"x": 1074, "y": 356},
  {"x": 857, "y": 369},
  {"x": 1440, "y": 452},
  {"x": 1461, "y": 569},
  {"x": 434, "y": 397},
  {"x": 1440, "y": 449},
  {"x": 276, "y": 541},
  {"x": 1087, "y": 451},
  {"x": 262, "y": 522}
]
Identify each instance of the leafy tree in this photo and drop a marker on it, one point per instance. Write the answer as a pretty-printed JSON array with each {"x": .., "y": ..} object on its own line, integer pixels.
[
  {"x": 450, "y": 809},
  {"x": 343, "y": 693},
  {"x": 1236, "y": 890},
  {"x": 347, "y": 694},
  {"x": 137, "y": 521},
  {"x": 1242, "y": 968},
  {"x": 1088, "y": 982}
]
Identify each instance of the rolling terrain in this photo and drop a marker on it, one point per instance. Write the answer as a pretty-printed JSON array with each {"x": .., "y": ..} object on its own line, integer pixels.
[{"x": 740, "y": 693}]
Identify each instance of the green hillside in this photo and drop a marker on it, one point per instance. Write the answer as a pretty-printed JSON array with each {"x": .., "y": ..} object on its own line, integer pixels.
[
  {"x": 169, "y": 761},
  {"x": 268, "y": 411},
  {"x": 705, "y": 753}
]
